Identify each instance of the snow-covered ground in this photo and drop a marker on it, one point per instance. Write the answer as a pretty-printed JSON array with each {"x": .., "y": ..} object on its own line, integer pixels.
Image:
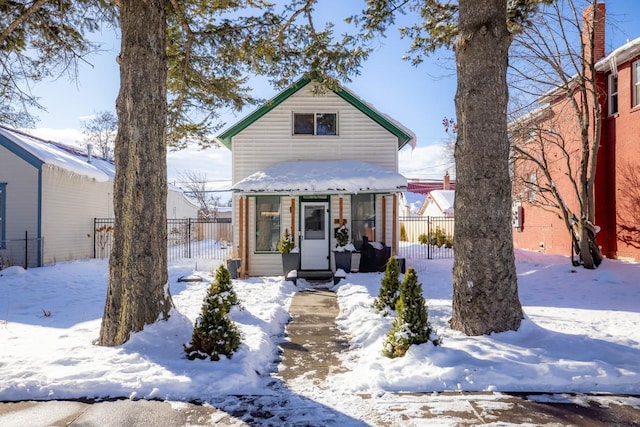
[{"x": 581, "y": 334}]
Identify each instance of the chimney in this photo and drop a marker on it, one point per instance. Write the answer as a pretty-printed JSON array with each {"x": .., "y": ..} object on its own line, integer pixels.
[
  {"x": 447, "y": 181},
  {"x": 595, "y": 24},
  {"x": 89, "y": 153}
]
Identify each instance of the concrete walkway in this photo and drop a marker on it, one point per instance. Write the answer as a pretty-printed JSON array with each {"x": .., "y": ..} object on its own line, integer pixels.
[
  {"x": 313, "y": 339},
  {"x": 309, "y": 357}
]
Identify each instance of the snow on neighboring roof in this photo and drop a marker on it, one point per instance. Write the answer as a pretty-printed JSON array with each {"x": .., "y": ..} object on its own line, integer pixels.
[
  {"x": 321, "y": 177},
  {"x": 619, "y": 56},
  {"x": 59, "y": 155},
  {"x": 444, "y": 198}
]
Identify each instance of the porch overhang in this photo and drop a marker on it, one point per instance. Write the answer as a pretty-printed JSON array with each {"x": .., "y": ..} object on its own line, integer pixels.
[{"x": 321, "y": 177}]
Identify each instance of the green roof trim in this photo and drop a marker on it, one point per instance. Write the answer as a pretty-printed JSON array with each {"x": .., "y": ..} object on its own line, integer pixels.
[{"x": 226, "y": 137}]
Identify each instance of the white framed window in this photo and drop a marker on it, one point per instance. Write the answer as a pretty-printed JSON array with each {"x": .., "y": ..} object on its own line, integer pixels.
[
  {"x": 612, "y": 89},
  {"x": 532, "y": 187},
  {"x": 315, "y": 124},
  {"x": 636, "y": 83},
  {"x": 363, "y": 218},
  {"x": 267, "y": 223}
]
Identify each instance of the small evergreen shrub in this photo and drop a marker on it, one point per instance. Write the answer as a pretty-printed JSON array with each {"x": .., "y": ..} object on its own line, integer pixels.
[
  {"x": 286, "y": 243},
  {"x": 224, "y": 288},
  {"x": 403, "y": 234},
  {"x": 423, "y": 239},
  {"x": 214, "y": 333},
  {"x": 441, "y": 238},
  {"x": 438, "y": 238},
  {"x": 389, "y": 288},
  {"x": 411, "y": 326},
  {"x": 342, "y": 236}
]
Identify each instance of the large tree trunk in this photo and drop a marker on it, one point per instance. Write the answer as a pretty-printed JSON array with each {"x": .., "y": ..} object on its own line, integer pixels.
[
  {"x": 485, "y": 289},
  {"x": 138, "y": 291}
]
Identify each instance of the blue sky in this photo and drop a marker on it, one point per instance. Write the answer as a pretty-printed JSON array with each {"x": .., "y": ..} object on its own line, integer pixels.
[{"x": 418, "y": 97}]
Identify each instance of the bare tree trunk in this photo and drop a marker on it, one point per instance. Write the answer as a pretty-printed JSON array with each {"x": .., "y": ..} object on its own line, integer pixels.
[
  {"x": 485, "y": 290},
  {"x": 138, "y": 291}
]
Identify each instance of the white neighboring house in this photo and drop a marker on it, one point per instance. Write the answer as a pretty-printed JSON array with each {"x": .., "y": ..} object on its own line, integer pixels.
[
  {"x": 438, "y": 203},
  {"x": 309, "y": 161},
  {"x": 50, "y": 194}
]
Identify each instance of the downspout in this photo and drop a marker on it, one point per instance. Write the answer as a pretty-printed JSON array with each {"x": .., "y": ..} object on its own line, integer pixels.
[
  {"x": 293, "y": 221},
  {"x": 39, "y": 242},
  {"x": 241, "y": 233},
  {"x": 384, "y": 219},
  {"x": 394, "y": 222},
  {"x": 246, "y": 238}
]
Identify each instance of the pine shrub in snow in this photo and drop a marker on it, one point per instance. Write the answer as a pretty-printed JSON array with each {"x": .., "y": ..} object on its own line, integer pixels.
[
  {"x": 214, "y": 333},
  {"x": 389, "y": 288},
  {"x": 411, "y": 326}
]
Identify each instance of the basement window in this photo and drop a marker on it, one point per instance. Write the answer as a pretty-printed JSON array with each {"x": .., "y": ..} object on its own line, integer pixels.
[{"x": 315, "y": 124}]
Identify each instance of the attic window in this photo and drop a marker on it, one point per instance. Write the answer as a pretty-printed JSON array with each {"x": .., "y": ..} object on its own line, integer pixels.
[{"x": 315, "y": 123}]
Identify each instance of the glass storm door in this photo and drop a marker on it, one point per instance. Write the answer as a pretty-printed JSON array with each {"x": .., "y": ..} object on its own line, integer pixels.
[{"x": 314, "y": 245}]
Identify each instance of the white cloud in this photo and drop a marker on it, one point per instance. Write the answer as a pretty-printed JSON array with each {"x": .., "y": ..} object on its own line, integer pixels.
[{"x": 428, "y": 162}]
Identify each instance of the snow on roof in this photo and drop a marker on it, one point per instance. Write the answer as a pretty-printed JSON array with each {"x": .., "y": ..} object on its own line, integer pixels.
[
  {"x": 444, "y": 198},
  {"x": 619, "y": 56},
  {"x": 59, "y": 155},
  {"x": 321, "y": 177}
]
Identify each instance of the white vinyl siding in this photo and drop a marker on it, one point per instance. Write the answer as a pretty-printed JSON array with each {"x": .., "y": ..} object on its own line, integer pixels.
[
  {"x": 270, "y": 139},
  {"x": 179, "y": 207},
  {"x": 69, "y": 204},
  {"x": 21, "y": 210}
]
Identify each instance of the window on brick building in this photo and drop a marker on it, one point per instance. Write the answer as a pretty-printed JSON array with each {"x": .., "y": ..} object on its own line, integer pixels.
[
  {"x": 613, "y": 94},
  {"x": 636, "y": 83},
  {"x": 532, "y": 187}
]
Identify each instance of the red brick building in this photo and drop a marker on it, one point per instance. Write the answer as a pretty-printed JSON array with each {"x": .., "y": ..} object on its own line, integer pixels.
[{"x": 617, "y": 177}]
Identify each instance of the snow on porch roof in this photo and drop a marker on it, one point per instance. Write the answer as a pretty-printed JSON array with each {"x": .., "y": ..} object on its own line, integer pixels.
[{"x": 322, "y": 177}]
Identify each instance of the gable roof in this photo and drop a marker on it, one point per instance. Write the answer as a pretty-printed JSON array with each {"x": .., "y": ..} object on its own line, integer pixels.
[
  {"x": 443, "y": 199},
  {"x": 37, "y": 152},
  {"x": 404, "y": 135}
]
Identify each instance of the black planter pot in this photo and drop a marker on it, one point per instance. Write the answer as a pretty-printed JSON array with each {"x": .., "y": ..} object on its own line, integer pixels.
[
  {"x": 342, "y": 260},
  {"x": 290, "y": 261}
]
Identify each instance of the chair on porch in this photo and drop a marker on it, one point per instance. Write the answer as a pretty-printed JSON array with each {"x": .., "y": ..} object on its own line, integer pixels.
[{"x": 373, "y": 256}]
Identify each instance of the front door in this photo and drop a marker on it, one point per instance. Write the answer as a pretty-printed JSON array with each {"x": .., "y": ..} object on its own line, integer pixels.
[{"x": 314, "y": 242}]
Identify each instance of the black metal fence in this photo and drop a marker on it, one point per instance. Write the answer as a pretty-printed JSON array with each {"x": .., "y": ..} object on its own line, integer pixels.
[
  {"x": 186, "y": 238},
  {"x": 426, "y": 237},
  {"x": 26, "y": 252}
]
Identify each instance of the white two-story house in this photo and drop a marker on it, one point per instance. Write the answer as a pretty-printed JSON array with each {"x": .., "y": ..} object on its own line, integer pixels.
[{"x": 309, "y": 161}]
